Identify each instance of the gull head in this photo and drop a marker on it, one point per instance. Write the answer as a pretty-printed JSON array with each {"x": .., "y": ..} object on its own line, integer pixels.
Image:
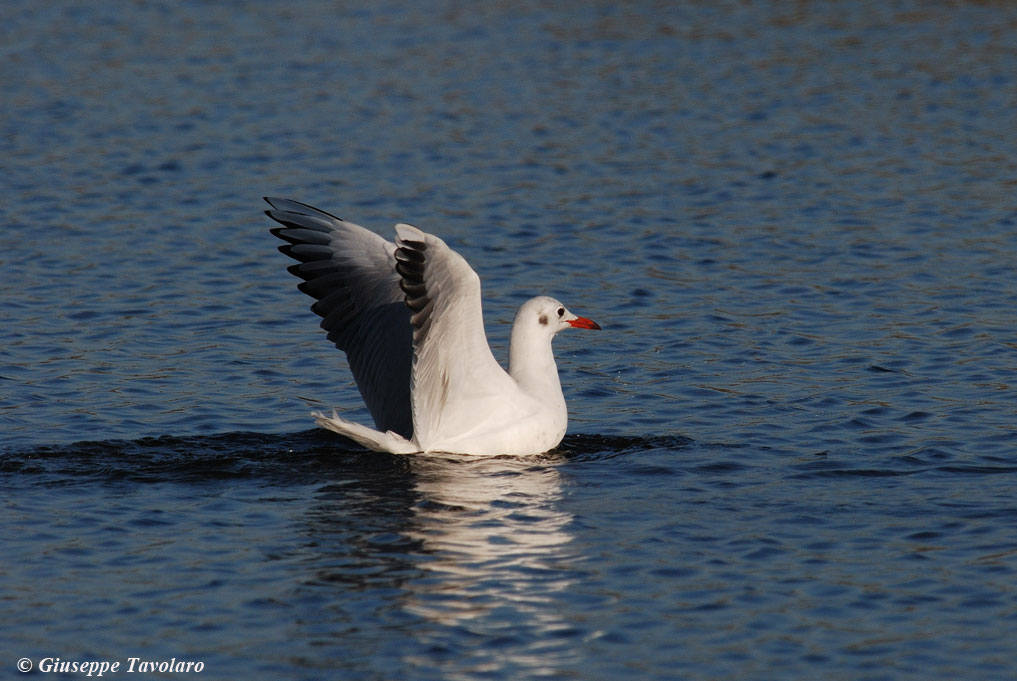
[{"x": 547, "y": 315}]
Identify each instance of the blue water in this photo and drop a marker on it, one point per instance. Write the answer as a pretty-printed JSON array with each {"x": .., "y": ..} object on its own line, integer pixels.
[{"x": 792, "y": 451}]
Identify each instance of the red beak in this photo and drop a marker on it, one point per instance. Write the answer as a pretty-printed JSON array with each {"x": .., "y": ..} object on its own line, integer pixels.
[{"x": 584, "y": 323}]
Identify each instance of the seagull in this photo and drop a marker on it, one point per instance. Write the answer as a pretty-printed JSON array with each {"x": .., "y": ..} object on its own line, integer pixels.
[{"x": 408, "y": 316}]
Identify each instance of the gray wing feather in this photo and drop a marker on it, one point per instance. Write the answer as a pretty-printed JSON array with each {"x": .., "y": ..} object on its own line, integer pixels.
[
  {"x": 452, "y": 362},
  {"x": 350, "y": 272}
]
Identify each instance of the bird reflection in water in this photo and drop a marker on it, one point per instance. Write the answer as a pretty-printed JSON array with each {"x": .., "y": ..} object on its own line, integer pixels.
[{"x": 495, "y": 558}]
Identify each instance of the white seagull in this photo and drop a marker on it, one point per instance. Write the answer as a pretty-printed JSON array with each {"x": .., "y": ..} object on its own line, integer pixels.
[{"x": 408, "y": 316}]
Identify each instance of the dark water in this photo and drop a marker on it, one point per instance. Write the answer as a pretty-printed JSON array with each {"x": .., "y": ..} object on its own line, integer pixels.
[{"x": 792, "y": 451}]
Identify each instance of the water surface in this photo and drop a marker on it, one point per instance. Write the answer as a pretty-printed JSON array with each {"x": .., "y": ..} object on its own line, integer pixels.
[{"x": 791, "y": 450}]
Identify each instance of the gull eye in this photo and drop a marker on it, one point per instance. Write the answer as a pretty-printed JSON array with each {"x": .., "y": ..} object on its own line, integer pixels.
[{"x": 561, "y": 311}]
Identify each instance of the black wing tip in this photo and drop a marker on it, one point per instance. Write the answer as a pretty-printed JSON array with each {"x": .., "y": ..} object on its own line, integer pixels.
[
  {"x": 307, "y": 252},
  {"x": 278, "y": 216},
  {"x": 413, "y": 244},
  {"x": 298, "y": 270},
  {"x": 404, "y": 254},
  {"x": 274, "y": 200},
  {"x": 410, "y": 271}
]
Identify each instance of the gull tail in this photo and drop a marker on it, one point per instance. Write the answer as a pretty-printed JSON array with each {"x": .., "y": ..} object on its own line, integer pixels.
[{"x": 372, "y": 439}]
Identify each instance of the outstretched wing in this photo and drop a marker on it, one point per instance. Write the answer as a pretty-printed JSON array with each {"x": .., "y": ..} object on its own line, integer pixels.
[
  {"x": 454, "y": 372},
  {"x": 351, "y": 273}
]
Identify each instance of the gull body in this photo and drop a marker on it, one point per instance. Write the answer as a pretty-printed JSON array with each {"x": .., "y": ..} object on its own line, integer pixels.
[{"x": 408, "y": 316}]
